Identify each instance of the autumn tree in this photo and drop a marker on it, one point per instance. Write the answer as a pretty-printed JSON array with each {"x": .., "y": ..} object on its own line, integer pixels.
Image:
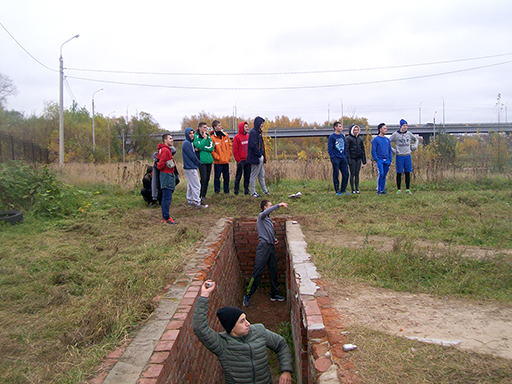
[{"x": 7, "y": 88}]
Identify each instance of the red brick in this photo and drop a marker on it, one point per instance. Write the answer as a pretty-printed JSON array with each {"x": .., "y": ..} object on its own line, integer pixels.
[
  {"x": 164, "y": 345},
  {"x": 170, "y": 335},
  {"x": 153, "y": 370},
  {"x": 322, "y": 364},
  {"x": 175, "y": 324},
  {"x": 159, "y": 357}
]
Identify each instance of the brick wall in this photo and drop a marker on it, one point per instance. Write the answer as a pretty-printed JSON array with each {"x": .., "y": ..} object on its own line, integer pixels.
[
  {"x": 246, "y": 241},
  {"x": 227, "y": 257}
]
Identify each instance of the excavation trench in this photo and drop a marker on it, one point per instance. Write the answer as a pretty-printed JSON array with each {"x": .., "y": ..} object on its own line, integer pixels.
[{"x": 166, "y": 350}]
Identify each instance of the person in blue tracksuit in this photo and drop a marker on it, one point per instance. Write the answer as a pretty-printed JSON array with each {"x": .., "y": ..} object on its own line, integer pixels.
[{"x": 383, "y": 156}]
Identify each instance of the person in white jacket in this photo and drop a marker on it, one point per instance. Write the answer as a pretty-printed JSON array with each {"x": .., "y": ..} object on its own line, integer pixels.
[{"x": 405, "y": 143}]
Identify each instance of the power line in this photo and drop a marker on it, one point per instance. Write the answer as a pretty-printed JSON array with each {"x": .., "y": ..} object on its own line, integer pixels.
[
  {"x": 290, "y": 72},
  {"x": 27, "y": 52},
  {"x": 292, "y": 87}
]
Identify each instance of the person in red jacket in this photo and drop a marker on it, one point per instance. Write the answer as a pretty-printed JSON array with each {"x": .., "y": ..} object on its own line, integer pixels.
[
  {"x": 240, "y": 145},
  {"x": 167, "y": 168}
]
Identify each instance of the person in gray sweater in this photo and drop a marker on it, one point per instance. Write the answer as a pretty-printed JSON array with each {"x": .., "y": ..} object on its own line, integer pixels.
[
  {"x": 265, "y": 253},
  {"x": 405, "y": 143},
  {"x": 242, "y": 349}
]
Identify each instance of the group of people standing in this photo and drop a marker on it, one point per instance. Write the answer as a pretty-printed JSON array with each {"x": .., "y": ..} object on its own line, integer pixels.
[
  {"x": 201, "y": 149},
  {"x": 348, "y": 154}
]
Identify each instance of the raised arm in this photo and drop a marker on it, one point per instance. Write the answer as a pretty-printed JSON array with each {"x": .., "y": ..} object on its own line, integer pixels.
[{"x": 202, "y": 330}]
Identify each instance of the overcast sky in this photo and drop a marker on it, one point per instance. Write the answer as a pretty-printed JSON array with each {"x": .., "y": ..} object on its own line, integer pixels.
[{"x": 383, "y": 60}]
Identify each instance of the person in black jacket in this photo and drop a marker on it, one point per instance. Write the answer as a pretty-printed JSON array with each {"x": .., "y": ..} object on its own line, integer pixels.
[
  {"x": 146, "y": 186},
  {"x": 356, "y": 155}
]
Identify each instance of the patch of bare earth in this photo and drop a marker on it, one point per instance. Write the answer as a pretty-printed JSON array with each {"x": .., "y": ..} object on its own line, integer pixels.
[{"x": 479, "y": 327}]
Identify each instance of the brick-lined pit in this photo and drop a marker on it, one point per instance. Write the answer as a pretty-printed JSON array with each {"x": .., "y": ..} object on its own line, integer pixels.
[{"x": 227, "y": 257}]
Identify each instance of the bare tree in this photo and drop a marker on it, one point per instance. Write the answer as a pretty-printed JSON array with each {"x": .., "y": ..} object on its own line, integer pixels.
[{"x": 7, "y": 88}]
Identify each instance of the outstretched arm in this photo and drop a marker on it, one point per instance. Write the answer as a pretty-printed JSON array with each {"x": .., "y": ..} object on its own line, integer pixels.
[
  {"x": 202, "y": 330},
  {"x": 279, "y": 345}
]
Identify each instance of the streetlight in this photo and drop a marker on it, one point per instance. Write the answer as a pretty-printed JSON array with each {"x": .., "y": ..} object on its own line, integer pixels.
[
  {"x": 61, "y": 103},
  {"x": 328, "y": 113},
  {"x": 419, "y": 113},
  {"x": 108, "y": 133},
  {"x": 435, "y": 124},
  {"x": 341, "y": 111},
  {"x": 443, "y": 110},
  {"x": 93, "y": 140}
]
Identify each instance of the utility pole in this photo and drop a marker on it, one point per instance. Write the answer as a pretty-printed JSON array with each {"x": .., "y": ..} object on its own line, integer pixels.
[
  {"x": 61, "y": 103},
  {"x": 93, "y": 138}
]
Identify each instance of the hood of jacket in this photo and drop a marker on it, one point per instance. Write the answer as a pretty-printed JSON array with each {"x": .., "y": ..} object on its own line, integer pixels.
[
  {"x": 258, "y": 122},
  {"x": 187, "y": 136},
  {"x": 351, "y": 130},
  {"x": 219, "y": 134},
  {"x": 241, "y": 127},
  {"x": 162, "y": 145}
]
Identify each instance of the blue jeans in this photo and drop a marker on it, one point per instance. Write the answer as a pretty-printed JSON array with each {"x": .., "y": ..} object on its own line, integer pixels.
[
  {"x": 383, "y": 167},
  {"x": 339, "y": 165},
  {"x": 166, "y": 202}
]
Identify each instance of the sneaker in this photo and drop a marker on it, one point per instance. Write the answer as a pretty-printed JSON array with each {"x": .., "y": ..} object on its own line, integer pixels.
[
  {"x": 354, "y": 192},
  {"x": 267, "y": 193},
  {"x": 383, "y": 193},
  {"x": 170, "y": 220},
  {"x": 346, "y": 193},
  {"x": 202, "y": 206},
  {"x": 338, "y": 193},
  {"x": 277, "y": 298},
  {"x": 399, "y": 191},
  {"x": 358, "y": 192},
  {"x": 255, "y": 195},
  {"x": 246, "y": 302},
  {"x": 408, "y": 191}
]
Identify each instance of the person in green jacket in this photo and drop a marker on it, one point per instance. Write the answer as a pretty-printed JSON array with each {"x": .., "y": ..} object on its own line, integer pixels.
[
  {"x": 203, "y": 145},
  {"x": 248, "y": 342}
]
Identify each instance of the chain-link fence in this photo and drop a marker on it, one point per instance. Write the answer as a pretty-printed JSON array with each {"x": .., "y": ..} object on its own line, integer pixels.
[{"x": 13, "y": 148}]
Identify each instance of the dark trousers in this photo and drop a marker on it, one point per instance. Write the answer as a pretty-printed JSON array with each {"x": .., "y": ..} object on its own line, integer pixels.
[
  {"x": 265, "y": 256},
  {"x": 355, "y": 167},
  {"x": 339, "y": 165},
  {"x": 407, "y": 180},
  {"x": 242, "y": 168},
  {"x": 205, "y": 170},
  {"x": 146, "y": 194},
  {"x": 166, "y": 202},
  {"x": 220, "y": 169}
]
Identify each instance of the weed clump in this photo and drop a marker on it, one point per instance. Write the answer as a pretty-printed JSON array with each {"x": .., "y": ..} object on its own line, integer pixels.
[{"x": 25, "y": 186}]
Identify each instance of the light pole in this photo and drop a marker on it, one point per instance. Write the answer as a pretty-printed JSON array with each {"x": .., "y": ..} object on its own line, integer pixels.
[
  {"x": 328, "y": 113},
  {"x": 108, "y": 133},
  {"x": 93, "y": 139},
  {"x": 443, "y": 110},
  {"x": 435, "y": 124},
  {"x": 419, "y": 111},
  {"x": 341, "y": 111},
  {"x": 61, "y": 103}
]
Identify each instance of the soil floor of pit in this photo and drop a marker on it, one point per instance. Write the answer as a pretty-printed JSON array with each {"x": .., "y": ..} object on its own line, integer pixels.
[{"x": 483, "y": 327}]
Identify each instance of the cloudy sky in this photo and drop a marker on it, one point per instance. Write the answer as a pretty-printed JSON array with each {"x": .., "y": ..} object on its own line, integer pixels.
[{"x": 383, "y": 60}]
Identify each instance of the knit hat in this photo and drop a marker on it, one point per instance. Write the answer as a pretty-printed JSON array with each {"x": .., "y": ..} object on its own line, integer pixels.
[
  {"x": 228, "y": 316},
  {"x": 258, "y": 121},
  {"x": 402, "y": 122}
]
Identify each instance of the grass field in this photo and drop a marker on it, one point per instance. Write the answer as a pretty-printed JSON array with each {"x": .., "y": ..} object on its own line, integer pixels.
[{"x": 73, "y": 288}]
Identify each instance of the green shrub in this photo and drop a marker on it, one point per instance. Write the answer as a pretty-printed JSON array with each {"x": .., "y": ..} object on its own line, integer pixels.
[{"x": 29, "y": 187}]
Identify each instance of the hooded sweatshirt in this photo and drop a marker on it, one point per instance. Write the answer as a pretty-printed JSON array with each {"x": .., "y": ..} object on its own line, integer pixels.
[
  {"x": 404, "y": 143},
  {"x": 355, "y": 145},
  {"x": 190, "y": 160},
  {"x": 240, "y": 143},
  {"x": 221, "y": 147},
  {"x": 164, "y": 154},
  {"x": 256, "y": 147}
]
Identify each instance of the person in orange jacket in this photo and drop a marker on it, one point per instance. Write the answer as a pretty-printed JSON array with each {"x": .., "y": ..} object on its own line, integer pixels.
[{"x": 221, "y": 156}]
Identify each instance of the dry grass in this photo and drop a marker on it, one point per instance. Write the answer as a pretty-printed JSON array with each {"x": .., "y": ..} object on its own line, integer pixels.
[{"x": 385, "y": 359}]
